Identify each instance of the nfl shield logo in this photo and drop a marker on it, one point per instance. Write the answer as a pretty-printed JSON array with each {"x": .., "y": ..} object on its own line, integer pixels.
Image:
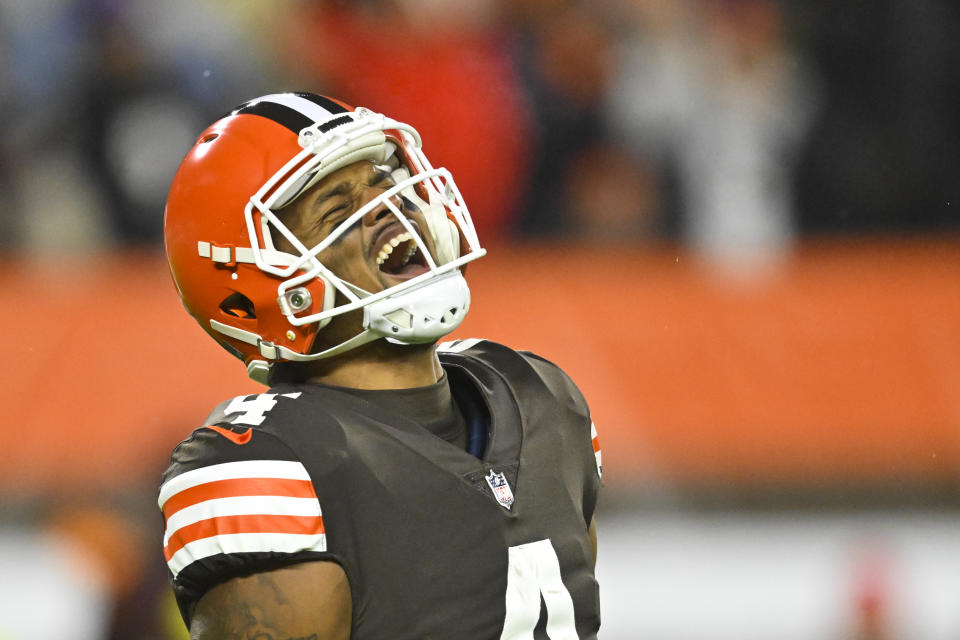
[{"x": 501, "y": 488}]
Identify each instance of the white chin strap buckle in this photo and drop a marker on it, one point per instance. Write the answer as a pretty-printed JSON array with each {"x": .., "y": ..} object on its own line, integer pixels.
[{"x": 424, "y": 313}]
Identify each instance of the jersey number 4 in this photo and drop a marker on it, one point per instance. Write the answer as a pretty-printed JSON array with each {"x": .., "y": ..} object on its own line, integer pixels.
[
  {"x": 534, "y": 571},
  {"x": 253, "y": 409}
]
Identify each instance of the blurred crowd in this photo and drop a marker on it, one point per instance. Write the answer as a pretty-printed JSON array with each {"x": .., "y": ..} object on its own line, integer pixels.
[{"x": 733, "y": 127}]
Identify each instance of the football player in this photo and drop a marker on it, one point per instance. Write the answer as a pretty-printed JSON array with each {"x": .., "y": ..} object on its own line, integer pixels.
[{"x": 384, "y": 486}]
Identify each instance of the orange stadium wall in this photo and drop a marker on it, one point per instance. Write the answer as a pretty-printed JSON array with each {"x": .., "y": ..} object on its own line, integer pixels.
[{"x": 840, "y": 365}]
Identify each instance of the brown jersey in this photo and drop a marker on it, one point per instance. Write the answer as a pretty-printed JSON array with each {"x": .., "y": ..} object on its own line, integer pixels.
[{"x": 435, "y": 542}]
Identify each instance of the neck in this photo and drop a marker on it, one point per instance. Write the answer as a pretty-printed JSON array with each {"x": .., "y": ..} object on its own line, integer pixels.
[{"x": 379, "y": 365}]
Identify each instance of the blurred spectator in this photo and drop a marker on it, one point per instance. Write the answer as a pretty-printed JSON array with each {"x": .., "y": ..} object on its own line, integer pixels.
[
  {"x": 610, "y": 197},
  {"x": 442, "y": 67},
  {"x": 135, "y": 126},
  {"x": 883, "y": 153},
  {"x": 42, "y": 62},
  {"x": 64, "y": 577},
  {"x": 872, "y": 591},
  {"x": 712, "y": 89},
  {"x": 708, "y": 103},
  {"x": 85, "y": 566},
  {"x": 105, "y": 99},
  {"x": 564, "y": 56},
  {"x": 49, "y": 589},
  {"x": 7, "y": 100}
]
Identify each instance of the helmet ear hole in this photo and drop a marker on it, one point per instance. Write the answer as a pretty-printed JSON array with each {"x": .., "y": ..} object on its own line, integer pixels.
[{"x": 238, "y": 306}]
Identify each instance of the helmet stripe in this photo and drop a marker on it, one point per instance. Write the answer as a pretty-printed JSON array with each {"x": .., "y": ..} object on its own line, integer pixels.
[
  {"x": 326, "y": 103},
  {"x": 281, "y": 114},
  {"x": 292, "y": 110}
]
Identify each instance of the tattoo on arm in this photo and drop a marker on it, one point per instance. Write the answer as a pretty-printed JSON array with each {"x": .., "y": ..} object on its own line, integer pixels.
[{"x": 257, "y": 607}]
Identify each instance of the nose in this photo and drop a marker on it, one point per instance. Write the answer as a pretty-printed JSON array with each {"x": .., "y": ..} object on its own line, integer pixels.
[{"x": 380, "y": 211}]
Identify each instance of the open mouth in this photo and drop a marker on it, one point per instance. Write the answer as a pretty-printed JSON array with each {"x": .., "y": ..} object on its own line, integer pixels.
[{"x": 399, "y": 256}]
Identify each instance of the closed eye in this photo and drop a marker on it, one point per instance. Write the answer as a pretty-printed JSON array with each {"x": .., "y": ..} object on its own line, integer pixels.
[
  {"x": 380, "y": 178},
  {"x": 333, "y": 215}
]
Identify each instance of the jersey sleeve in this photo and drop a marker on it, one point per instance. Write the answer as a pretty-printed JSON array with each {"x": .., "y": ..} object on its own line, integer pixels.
[{"x": 235, "y": 501}]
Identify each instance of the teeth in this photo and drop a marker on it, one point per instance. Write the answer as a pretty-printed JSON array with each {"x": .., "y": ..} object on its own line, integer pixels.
[{"x": 389, "y": 246}]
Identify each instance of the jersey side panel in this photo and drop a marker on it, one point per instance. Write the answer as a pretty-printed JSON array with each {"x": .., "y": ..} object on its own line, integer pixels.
[{"x": 583, "y": 434}]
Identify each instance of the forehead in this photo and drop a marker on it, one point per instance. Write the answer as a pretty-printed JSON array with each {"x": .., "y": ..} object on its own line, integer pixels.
[
  {"x": 355, "y": 172},
  {"x": 338, "y": 183}
]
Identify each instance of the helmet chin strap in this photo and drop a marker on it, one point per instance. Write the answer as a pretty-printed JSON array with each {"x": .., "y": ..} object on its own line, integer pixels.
[{"x": 418, "y": 315}]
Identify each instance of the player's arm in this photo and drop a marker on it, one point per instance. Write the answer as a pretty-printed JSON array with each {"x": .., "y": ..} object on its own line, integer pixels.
[{"x": 306, "y": 601}]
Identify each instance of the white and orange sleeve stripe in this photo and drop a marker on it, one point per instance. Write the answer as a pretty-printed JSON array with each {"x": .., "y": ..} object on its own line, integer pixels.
[
  {"x": 596, "y": 448},
  {"x": 240, "y": 507}
]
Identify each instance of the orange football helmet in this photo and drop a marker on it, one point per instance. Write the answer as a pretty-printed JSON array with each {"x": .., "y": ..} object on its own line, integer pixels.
[{"x": 265, "y": 305}]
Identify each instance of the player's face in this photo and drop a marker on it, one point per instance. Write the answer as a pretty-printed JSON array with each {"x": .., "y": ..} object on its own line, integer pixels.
[{"x": 376, "y": 252}]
